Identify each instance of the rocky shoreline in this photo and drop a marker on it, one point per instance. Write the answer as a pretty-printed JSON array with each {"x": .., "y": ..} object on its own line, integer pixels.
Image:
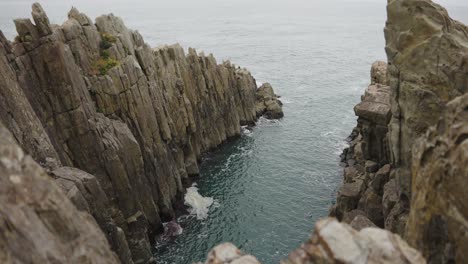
[
  {"x": 99, "y": 132},
  {"x": 117, "y": 125}
]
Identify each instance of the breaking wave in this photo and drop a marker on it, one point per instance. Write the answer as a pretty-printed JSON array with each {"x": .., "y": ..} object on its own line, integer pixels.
[{"x": 199, "y": 205}]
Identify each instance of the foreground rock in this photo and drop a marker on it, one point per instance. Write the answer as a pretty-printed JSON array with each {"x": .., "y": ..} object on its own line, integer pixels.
[
  {"x": 38, "y": 224},
  {"x": 119, "y": 125},
  {"x": 227, "y": 253},
  {"x": 334, "y": 242}
]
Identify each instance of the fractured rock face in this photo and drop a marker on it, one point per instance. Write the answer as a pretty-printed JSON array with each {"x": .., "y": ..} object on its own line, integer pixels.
[
  {"x": 133, "y": 121},
  {"x": 38, "y": 224},
  {"x": 438, "y": 218},
  {"x": 427, "y": 54}
]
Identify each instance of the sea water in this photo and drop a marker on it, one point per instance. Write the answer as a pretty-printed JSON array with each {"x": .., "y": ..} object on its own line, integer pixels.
[{"x": 265, "y": 190}]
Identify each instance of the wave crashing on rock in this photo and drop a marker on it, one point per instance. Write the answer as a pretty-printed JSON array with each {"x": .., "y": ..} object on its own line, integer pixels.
[{"x": 199, "y": 205}]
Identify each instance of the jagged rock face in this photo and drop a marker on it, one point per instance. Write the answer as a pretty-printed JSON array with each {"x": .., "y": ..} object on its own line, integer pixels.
[
  {"x": 267, "y": 103},
  {"x": 334, "y": 242},
  {"x": 38, "y": 224},
  {"x": 427, "y": 54},
  {"x": 366, "y": 171},
  {"x": 120, "y": 126},
  {"x": 438, "y": 220}
]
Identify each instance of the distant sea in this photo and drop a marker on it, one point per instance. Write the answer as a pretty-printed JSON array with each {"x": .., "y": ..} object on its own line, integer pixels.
[{"x": 274, "y": 182}]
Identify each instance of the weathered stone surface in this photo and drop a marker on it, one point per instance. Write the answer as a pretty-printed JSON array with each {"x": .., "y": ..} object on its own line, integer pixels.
[
  {"x": 371, "y": 204},
  {"x": 86, "y": 193},
  {"x": 360, "y": 222},
  {"x": 381, "y": 178},
  {"x": 38, "y": 224},
  {"x": 348, "y": 197},
  {"x": 334, "y": 242},
  {"x": 373, "y": 116},
  {"x": 427, "y": 54},
  {"x": 379, "y": 73},
  {"x": 267, "y": 103},
  {"x": 438, "y": 220},
  {"x": 228, "y": 253}
]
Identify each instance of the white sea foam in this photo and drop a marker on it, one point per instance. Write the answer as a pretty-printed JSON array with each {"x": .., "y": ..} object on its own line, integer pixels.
[
  {"x": 199, "y": 205},
  {"x": 246, "y": 131},
  {"x": 259, "y": 83}
]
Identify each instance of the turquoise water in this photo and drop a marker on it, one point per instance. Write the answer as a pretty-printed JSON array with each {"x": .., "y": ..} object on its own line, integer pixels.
[{"x": 275, "y": 181}]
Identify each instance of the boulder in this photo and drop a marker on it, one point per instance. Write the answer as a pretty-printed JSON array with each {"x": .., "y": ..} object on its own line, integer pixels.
[
  {"x": 227, "y": 253},
  {"x": 349, "y": 195}
]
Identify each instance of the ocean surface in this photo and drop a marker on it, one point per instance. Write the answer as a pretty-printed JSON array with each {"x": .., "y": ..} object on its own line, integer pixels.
[{"x": 272, "y": 184}]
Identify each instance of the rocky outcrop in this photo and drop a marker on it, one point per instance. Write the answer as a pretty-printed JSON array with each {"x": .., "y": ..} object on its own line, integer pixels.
[
  {"x": 38, "y": 224},
  {"x": 419, "y": 193},
  {"x": 365, "y": 161},
  {"x": 334, "y": 242},
  {"x": 267, "y": 103},
  {"x": 119, "y": 125},
  {"x": 427, "y": 54}
]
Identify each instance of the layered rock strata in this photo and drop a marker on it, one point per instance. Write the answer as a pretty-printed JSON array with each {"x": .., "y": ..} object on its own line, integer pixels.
[
  {"x": 120, "y": 126},
  {"x": 366, "y": 172}
]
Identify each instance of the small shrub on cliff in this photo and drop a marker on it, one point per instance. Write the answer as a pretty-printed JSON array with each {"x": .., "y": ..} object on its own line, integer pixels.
[
  {"x": 107, "y": 40},
  {"x": 105, "y": 54},
  {"x": 102, "y": 65}
]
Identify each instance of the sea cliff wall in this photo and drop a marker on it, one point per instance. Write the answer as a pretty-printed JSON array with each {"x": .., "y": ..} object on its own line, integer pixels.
[
  {"x": 120, "y": 126},
  {"x": 408, "y": 154}
]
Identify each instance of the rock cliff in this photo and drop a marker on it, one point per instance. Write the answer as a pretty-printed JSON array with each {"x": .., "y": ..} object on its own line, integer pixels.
[
  {"x": 38, "y": 224},
  {"x": 119, "y": 126},
  {"x": 404, "y": 171}
]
